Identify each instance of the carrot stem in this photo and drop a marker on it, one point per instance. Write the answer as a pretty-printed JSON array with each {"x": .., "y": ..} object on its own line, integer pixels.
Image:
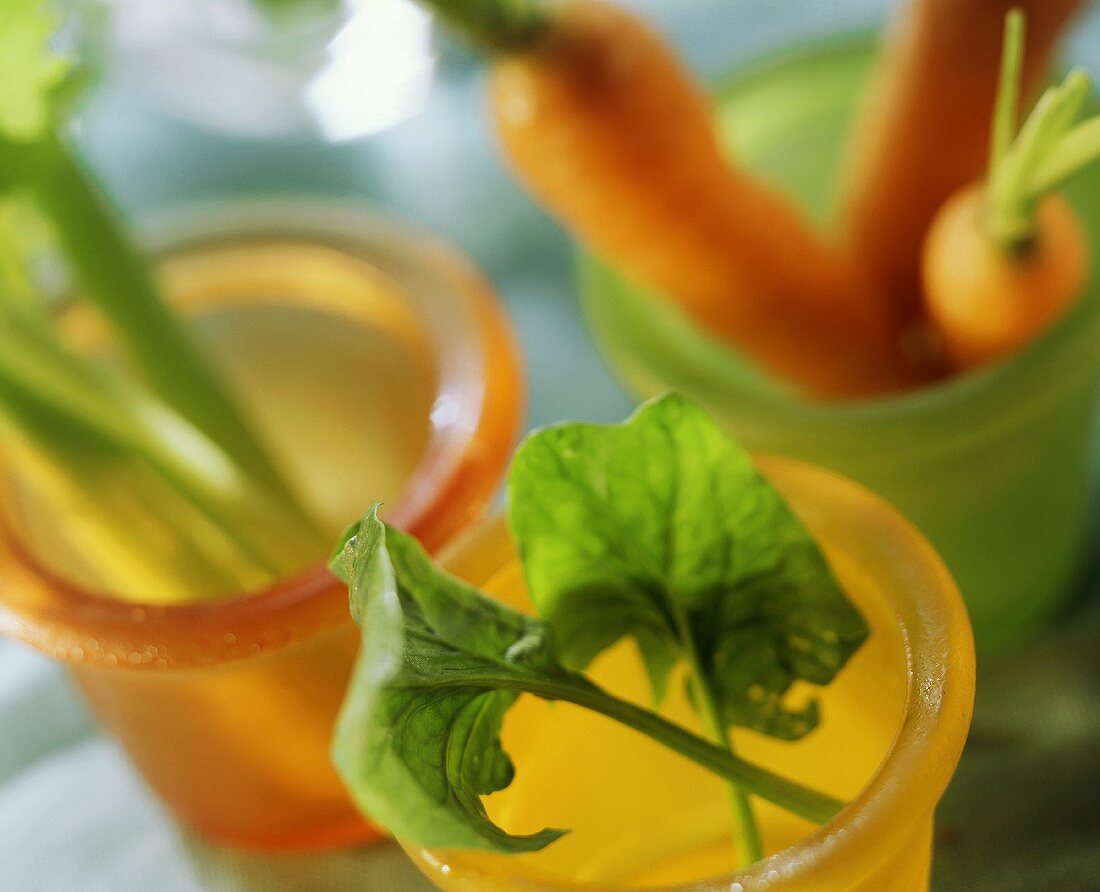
[
  {"x": 1043, "y": 153},
  {"x": 1008, "y": 87},
  {"x": 1080, "y": 147},
  {"x": 494, "y": 25}
]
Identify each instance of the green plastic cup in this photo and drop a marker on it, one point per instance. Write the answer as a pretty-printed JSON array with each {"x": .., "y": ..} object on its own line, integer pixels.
[{"x": 994, "y": 466}]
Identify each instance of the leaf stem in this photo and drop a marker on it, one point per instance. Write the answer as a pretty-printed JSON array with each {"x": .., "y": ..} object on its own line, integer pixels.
[
  {"x": 746, "y": 830},
  {"x": 790, "y": 795}
]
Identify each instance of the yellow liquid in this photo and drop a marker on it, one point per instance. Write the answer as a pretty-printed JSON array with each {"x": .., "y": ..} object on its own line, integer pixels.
[
  {"x": 329, "y": 361},
  {"x": 641, "y": 815},
  {"x": 325, "y": 356}
]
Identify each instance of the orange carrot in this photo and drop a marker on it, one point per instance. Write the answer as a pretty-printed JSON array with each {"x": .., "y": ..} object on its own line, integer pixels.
[
  {"x": 1005, "y": 257},
  {"x": 610, "y": 133},
  {"x": 986, "y": 302},
  {"x": 923, "y": 132}
]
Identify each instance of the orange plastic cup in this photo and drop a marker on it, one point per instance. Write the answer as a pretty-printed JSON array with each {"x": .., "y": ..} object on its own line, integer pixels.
[
  {"x": 226, "y": 707},
  {"x": 903, "y": 706}
]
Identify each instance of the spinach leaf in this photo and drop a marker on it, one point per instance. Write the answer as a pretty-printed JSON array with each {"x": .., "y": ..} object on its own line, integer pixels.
[
  {"x": 661, "y": 528},
  {"x": 418, "y": 739}
]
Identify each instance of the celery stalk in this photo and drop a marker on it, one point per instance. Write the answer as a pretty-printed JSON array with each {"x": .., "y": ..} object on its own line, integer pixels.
[{"x": 113, "y": 275}]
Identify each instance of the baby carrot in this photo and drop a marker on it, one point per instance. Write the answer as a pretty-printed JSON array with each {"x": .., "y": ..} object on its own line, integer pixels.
[
  {"x": 923, "y": 130},
  {"x": 606, "y": 128},
  {"x": 1004, "y": 258}
]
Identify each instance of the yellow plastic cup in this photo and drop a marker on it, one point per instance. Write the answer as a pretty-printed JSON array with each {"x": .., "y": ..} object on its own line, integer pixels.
[{"x": 906, "y": 700}]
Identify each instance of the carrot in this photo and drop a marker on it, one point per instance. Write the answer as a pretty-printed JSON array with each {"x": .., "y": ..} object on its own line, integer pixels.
[
  {"x": 1005, "y": 257},
  {"x": 607, "y": 129},
  {"x": 922, "y": 133}
]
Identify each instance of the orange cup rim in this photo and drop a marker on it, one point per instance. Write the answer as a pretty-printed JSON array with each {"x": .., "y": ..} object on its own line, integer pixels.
[{"x": 457, "y": 476}]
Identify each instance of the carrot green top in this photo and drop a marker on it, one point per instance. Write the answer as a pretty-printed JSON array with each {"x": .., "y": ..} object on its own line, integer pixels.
[{"x": 1047, "y": 150}]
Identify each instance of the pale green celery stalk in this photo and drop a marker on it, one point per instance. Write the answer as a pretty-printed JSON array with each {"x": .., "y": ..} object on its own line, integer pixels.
[
  {"x": 81, "y": 477},
  {"x": 114, "y": 275},
  {"x": 15, "y": 288},
  {"x": 205, "y": 468},
  {"x": 29, "y": 327},
  {"x": 70, "y": 396},
  {"x": 47, "y": 422},
  {"x": 114, "y": 526},
  {"x": 127, "y": 516}
]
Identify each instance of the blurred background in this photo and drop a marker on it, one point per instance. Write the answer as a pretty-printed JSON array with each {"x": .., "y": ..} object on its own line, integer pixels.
[{"x": 360, "y": 101}]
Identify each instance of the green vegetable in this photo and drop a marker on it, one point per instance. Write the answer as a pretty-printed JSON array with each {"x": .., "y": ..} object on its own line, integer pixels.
[
  {"x": 1048, "y": 149},
  {"x": 418, "y": 740},
  {"x": 113, "y": 274},
  {"x": 91, "y": 412},
  {"x": 662, "y": 529},
  {"x": 201, "y": 471},
  {"x": 30, "y": 74}
]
